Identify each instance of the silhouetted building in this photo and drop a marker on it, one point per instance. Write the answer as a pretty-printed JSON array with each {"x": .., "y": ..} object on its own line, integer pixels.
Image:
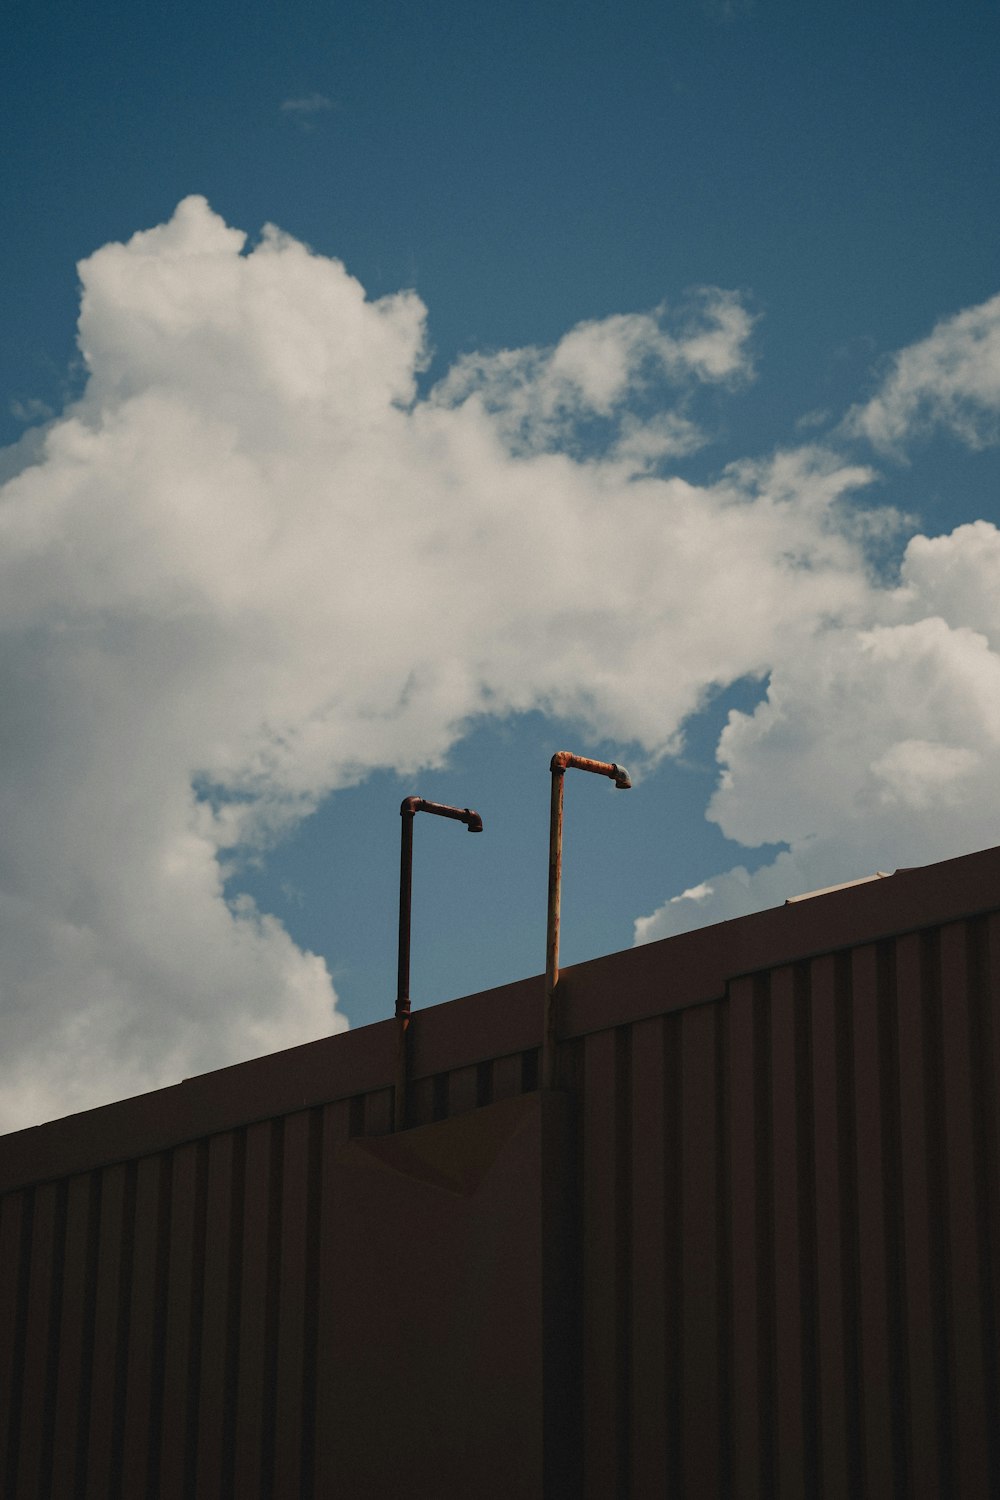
[{"x": 749, "y": 1246}]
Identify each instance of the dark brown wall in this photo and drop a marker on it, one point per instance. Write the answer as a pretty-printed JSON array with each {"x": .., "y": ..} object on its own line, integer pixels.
[{"x": 788, "y": 1221}]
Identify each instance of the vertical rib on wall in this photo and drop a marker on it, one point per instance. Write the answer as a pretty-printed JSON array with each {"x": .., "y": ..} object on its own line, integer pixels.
[{"x": 790, "y": 1231}]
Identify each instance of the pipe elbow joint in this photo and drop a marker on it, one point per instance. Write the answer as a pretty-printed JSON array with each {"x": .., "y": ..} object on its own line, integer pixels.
[{"x": 564, "y": 759}]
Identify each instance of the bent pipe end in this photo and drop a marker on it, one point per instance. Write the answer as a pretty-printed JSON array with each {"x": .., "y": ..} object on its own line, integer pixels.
[
  {"x": 412, "y": 805},
  {"x": 563, "y": 760}
]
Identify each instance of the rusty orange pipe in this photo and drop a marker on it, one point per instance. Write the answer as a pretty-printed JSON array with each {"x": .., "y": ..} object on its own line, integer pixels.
[{"x": 561, "y": 762}]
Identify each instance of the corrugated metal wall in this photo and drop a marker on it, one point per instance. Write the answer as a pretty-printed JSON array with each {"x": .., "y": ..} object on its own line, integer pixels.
[
  {"x": 160, "y": 1319},
  {"x": 160, "y": 1335},
  {"x": 792, "y": 1232},
  {"x": 790, "y": 1226}
]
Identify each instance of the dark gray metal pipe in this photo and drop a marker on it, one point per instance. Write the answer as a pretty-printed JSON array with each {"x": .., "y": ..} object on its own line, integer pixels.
[{"x": 408, "y": 809}]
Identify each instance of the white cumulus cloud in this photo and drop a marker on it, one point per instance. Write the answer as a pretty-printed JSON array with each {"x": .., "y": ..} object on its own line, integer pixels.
[
  {"x": 951, "y": 379},
  {"x": 251, "y": 564},
  {"x": 538, "y": 396},
  {"x": 876, "y": 747}
]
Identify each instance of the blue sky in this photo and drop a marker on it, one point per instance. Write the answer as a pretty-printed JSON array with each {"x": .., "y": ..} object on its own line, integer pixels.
[{"x": 687, "y": 410}]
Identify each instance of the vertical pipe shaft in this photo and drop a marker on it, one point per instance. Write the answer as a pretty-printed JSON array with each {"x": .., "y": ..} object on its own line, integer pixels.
[
  {"x": 409, "y": 807},
  {"x": 558, "y": 766},
  {"x": 403, "y": 967},
  {"x": 552, "y": 934}
]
